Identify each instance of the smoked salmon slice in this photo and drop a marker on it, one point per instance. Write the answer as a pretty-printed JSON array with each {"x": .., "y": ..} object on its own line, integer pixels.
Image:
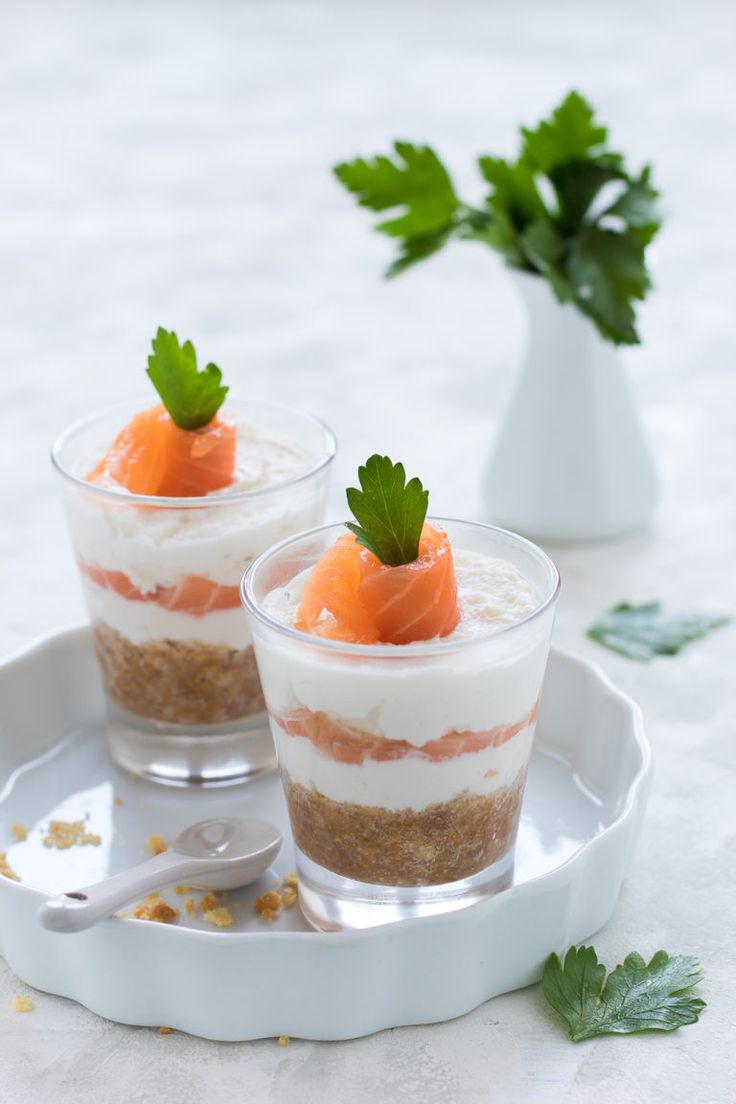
[
  {"x": 349, "y": 744},
  {"x": 194, "y": 594},
  {"x": 152, "y": 456},
  {"x": 352, "y": 596},
  {"x": 331, "y": 605}
]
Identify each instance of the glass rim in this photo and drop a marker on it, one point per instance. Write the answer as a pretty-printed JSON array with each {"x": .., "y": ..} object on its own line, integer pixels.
[
  {"x": 199, "y": 501},
  {"x": 420, "y": 647}
]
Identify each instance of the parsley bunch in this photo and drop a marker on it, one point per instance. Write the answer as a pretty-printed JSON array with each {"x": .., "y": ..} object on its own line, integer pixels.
[{"x": 590, "y": 244}]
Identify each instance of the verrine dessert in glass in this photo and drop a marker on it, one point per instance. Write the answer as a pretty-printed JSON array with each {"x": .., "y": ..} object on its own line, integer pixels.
[
  {"x": 402, "y": 665},
  {"x": 163, "y": 521}
]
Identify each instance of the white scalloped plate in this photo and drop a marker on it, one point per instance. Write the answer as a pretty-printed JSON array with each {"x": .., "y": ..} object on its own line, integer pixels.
[{"x": 587, "y": 790}]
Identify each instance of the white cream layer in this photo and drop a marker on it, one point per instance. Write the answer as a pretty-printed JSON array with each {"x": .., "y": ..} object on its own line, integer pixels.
[
  {"x": 156, "y": 547},
  {"x": 140, "y": 622},
  {"x": 403, "y": 783},
  {"x": 481, "y": 684}
]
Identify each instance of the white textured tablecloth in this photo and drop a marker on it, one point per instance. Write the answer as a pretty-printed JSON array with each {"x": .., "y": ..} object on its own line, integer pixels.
[{"x": 168, "y": 163}]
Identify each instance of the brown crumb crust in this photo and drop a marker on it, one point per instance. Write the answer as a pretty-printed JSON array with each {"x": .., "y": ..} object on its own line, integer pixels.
[
  {"x": 442, "y": 843},
  {"x": 181, "y": 682}
]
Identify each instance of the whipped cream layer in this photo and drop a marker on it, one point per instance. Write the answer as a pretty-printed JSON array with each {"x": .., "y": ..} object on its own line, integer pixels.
[
  {"x": 406, "y": 783},
  {"x": 492, "y": 678},
  {"x": 139, "y": 621},
  {"x": 215, "y": 538}
]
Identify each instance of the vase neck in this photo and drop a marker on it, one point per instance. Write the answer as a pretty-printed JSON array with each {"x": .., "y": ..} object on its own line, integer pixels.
[{"x": 560, "y": 332}]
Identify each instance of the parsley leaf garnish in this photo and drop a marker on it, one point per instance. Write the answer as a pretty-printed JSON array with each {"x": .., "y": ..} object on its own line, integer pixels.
[
  {"x": 389, "y": 510},
  {"x": 590, "y": 248},
  {"x": 191, "y": 397},
  {"x": 636, "y": 996},
  {"x": 642, "y": 632}
]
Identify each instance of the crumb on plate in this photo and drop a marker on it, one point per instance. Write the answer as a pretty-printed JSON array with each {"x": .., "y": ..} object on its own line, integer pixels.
[
  {"x": 283, "y": 1040},
  {"x": 219, "y": 917},
  {"x": 289, "y": 897},
  {"x": 153, "y": 907},
  {"x": 165, "y": 1030},
  {"x": 22, "y": 1004},
  {"x": 20, "y": 832},
  {"x": 268, "y": 904},
  {"x": 209, "y": 902},
  {"x": 118, "y": 800},
  {"x": 6, "y": 870},
  {"x": 157, "y": 844},
  {"x": 189, "y": 905},
  {"x": 63, "y": 834}
]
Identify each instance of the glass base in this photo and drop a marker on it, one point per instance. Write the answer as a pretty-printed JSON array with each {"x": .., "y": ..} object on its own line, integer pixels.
[
  {"x": 332, "y": 903},
  {"x": 190, "y": 755}
]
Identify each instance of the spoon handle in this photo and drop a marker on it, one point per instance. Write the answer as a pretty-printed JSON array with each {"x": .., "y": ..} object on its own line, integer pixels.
[{"x": 80, "y": 909}]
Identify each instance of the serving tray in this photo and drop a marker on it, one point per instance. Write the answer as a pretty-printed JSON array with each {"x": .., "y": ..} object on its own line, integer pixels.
[{"x": 588, "y": 783}]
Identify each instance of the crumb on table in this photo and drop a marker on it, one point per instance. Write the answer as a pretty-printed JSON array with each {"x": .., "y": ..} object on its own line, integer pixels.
[
  {"x": 219, "y": 917},
  {"x": 22, "y": 1004},
  {"x": 6, "y": 870},
  {"x": 118, "y": 800},
  {"x": 63, "y": 834},
  {"x": 157, "y": 844},
  {"x": 20, "y": 832}
]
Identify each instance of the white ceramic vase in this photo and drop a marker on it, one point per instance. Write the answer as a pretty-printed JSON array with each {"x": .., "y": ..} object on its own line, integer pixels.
[{"x": 571, "y": 462}]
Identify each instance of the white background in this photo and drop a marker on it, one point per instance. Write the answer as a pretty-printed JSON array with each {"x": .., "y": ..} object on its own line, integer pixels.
[{"x": 168, "y": 163}]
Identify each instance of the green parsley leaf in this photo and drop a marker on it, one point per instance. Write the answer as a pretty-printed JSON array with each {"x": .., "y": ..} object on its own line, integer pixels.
[
  {"x": 570, "y": 134},
  {"x": 607, "y": 271},
  {"x": 637, "y": 207},
  {"x": 417, "y": 181},
  {"x": 642, "y": 632},
  {"x": 389, "y": 510},
  {"x": 636, "y": 996},
  {"x": 593, "y": 255},
  {"x": 191, "y": 397}
]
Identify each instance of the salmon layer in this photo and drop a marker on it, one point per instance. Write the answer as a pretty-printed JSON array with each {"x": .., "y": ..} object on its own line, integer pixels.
[
  {"x": 194, "y": 594},
  {"x": 349, "y": 744},
  {"x": 352, "y": 596},
  {"x": 443, "y": 843}
]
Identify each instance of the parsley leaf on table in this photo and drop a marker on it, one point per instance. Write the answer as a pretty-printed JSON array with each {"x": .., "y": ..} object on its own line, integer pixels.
[
  {"x": 636, "y": 996},
  {"x": 191, "y": 397},
  {"x": 642, "y": 632},
  {"x": 390, "y": 511},
  {"x": 588, "y": 243}
]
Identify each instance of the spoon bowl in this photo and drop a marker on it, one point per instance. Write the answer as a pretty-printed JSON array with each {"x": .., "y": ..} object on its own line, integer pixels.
[{"x": 221, "y": 853}]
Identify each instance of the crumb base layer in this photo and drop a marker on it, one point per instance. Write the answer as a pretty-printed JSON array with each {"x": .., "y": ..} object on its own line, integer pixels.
[
  {"x": 445, "y": 842},
  {"x": 179, "y": 682}
]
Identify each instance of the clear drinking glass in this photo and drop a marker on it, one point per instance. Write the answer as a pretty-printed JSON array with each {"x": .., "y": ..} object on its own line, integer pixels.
[
  {"x": 403, "y": 766},
  {"x": 161, "y": 579}
]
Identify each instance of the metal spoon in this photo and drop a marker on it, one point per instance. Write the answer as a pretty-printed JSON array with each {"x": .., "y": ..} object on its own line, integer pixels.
[{"x": 223, "y": 853}]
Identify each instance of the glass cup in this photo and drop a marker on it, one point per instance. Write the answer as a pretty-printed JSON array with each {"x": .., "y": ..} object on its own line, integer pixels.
[
  {"x": 161, "y": 580},
  {"x": 403, "y": 766}
]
